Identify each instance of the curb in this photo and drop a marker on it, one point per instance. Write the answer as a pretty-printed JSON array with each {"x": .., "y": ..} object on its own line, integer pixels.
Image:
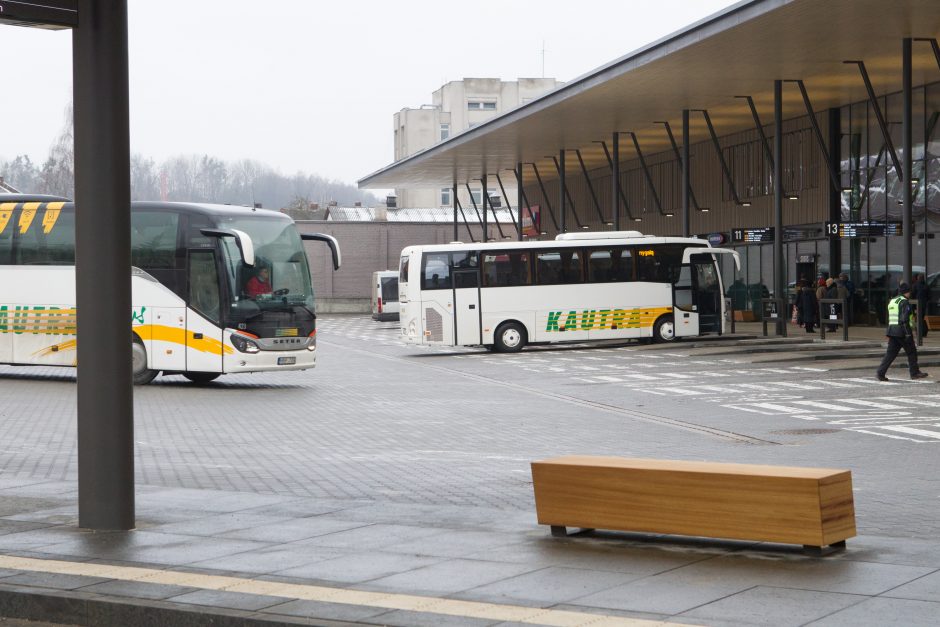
[{"x": 75, "y": 608}]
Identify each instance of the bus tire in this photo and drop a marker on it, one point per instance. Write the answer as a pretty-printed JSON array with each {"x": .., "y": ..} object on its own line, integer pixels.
[
  {"x": 510, "y": 337},
  {"x": 201, "y": 378},
  {"x": 664, "y": 330},
  {"x": 141, "y": 373}
]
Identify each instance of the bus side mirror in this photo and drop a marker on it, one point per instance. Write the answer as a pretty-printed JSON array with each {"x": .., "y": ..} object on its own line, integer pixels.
[
  {"x": 330, "y": 241},
  {"x": 242, "y": 240}
]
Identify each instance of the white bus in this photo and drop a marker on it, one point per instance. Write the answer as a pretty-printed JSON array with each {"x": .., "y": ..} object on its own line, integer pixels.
[
  {"x": 215, "y": 289},
  {"x": 580, "y": 286}
]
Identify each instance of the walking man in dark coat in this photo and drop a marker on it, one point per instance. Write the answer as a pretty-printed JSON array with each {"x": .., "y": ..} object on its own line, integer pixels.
[{"x": 900, "y": 335}]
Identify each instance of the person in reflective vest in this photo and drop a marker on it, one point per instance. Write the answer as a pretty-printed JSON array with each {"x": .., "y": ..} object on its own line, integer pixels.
[{"x": 900, "y": 335}]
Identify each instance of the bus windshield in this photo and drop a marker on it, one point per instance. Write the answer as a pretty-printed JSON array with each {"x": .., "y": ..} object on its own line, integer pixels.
[{"x": 280, "y": 278}]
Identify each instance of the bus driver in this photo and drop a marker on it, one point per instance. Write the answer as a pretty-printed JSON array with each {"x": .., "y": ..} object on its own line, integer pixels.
[{"x": 260, "y": 284}]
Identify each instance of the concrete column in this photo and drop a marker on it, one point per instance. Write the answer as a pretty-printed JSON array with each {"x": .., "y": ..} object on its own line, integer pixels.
[{"x": 102, "y": 264}]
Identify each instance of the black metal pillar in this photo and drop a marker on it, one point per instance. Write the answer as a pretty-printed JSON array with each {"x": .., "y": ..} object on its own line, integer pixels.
[
  {"x": 615, "y": 179},
  {"x": 780, "y": 271},
  {"x": 485, "y": 194},
  {"x": 907, "y": 225},
  {"x": 835, "y": 194},
  {"x": 103, "y": 267},
  {"x": 686, "y": 179},
  {"x": 519, "y": 199},
  {"x": 454, "y": 200},
  {"x": 562, "y": 190}
]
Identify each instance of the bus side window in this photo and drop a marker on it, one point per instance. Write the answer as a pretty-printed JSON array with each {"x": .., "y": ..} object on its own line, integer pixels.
[
  {"x": 622, "y": 260},
  {"x": 436, "y": 275},
  {"x": 601, "y": 267},
  {"x": 505, "y": 269}
]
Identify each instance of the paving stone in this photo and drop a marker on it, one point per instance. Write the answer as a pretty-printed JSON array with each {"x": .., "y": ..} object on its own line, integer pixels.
[
  {"x": 137, "y": 590},
  {"x": 763, "y": 605},
  {"x": 547, "y": 586},
  {"x": 326, "y": 611},
  {"x": 270, "y": 559},
  {"x": 228, "y": 600},
  {"x": 927, "y": 588},
  {"x": 882, "y": 611},
  {"x": 448, "y": 577},
  {"x": 359, "y": 567}
]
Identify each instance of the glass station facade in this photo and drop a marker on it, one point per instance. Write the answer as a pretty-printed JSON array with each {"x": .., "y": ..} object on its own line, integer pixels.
[{"x": 872, "y": 192}]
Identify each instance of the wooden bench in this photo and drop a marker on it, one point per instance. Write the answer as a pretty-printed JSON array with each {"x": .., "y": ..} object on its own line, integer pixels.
[{"x": 809, "y": 506}]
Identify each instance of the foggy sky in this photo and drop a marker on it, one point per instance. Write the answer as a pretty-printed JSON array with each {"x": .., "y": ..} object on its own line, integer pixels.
[{"x": 311, "y": 86}]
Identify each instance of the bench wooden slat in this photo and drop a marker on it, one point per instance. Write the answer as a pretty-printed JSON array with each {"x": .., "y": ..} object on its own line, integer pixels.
[{"x": 809, "y": 506}]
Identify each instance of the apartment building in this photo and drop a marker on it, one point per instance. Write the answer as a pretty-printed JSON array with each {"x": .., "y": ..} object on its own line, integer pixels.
[{"x": 455, "y": 107}]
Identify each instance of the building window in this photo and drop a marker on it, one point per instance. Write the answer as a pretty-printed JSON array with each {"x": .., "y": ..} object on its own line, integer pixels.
[
  {"x": 477, "y": 195},
  {"x": 445, "y": 131},
  {"x": 445, "y": 196},
  {"x": 481, "y": 105}
]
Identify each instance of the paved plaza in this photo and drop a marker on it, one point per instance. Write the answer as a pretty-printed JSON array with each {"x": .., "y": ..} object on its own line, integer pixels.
[{"x": 393, "y": 473}]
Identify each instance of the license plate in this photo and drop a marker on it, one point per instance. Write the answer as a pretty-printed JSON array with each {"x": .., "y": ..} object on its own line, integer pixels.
[{"x": 286, "y": 361}]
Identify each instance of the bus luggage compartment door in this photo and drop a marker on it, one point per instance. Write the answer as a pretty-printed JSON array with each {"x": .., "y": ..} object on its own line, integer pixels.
[{"x": 467, "y": 307}]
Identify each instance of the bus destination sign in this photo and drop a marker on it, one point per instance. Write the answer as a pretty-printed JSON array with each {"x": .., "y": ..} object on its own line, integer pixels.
[
  {"x": 752, "y": 236},
  {"x": 863, "y": 229},
  {"x": 51, "y": 14}
]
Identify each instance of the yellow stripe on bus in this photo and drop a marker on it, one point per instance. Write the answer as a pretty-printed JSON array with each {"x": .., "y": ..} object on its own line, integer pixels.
[
  {"x": 27, "y": 215},
  {"x": 175, "y": 335},
  {"x": 56, "y": 348},
  {"x": 6, "y": 211},
  {"x": 51, "y": 216}
]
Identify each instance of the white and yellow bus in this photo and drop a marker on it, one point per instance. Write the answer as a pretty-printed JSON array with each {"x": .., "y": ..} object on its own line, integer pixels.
[
  {"x": 581, "y": 286},
  {"x": 215, "y": 289}
]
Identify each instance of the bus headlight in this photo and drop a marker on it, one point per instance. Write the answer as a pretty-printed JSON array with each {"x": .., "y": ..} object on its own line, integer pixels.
[
  {"x": 412, "y": 329},
  {"x": 244, "y": 345}
]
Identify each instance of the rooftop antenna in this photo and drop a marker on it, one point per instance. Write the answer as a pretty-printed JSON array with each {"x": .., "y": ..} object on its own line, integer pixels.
[{"x": 543, "y": 58}]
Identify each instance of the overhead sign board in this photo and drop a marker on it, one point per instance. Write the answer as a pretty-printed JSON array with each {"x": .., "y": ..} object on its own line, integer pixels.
[
  {"x": 863, "y": 229},
  {"x": 752, "y": 236},
  {"x": 51, "y": 14}
]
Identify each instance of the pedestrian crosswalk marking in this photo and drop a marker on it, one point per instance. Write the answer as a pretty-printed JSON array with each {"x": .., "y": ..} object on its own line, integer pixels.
[
  {"x": 872, "y": 404},
  {"x": 821, "y": 405}
]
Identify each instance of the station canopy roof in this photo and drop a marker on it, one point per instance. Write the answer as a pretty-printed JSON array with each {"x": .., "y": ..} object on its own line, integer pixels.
[{"x": 737, "y": 52}]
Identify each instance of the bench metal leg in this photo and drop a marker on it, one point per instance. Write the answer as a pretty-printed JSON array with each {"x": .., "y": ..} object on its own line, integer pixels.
[
  {"x": 560, "y": 531},
  {"x": 820, "y": 551}
]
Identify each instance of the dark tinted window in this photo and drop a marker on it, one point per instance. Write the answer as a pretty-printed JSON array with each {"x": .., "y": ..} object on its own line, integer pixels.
[
  {"x": 46, "y": 235},
  {"x": 502, "y": 269},
  {"x": 390, "y": 289},
  {"x": 558, "y": 266},
  {"x": 435, "y": 273},
  {"x": 610, "y": 264},
  {"x": 6, "y": 233},
  {"x": 466, "y": 268},
  {"x": 153, "y": 239},
  {"x": 658, "y": 263}
]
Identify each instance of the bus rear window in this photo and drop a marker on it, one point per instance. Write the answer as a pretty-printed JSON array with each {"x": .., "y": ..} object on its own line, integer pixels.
[
  {"x": 390, "y": 289},
  {"x": 403, "y": 270}
]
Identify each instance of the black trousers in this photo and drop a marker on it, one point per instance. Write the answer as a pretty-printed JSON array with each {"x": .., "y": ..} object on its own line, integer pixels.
[{"x": 895, "y": 344}]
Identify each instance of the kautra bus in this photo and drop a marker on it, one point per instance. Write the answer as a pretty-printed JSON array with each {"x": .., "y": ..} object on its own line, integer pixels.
[
  {"x": 215, "y": 288},
  {"x": 579, "y": 287}
]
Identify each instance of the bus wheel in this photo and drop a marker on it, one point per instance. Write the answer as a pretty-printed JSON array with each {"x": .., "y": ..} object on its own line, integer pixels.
[
  {"x": 142, "y": 374},
  {"x": 664, "y": 330},
  {"x": 510, "y": 337},
  {"x": 201, "y": 377}
]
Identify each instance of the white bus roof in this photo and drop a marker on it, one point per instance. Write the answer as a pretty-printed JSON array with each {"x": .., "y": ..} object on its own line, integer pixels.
[{"x": 584, "y": 239}]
